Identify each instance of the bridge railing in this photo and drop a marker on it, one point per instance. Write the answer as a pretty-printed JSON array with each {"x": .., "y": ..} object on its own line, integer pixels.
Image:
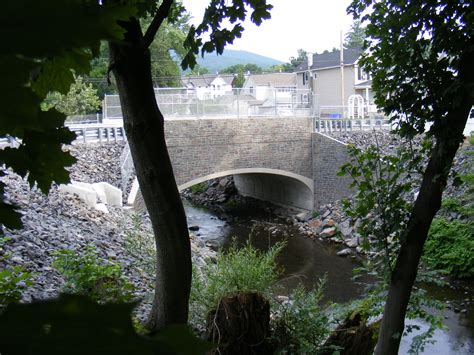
[
  {"x": 89, "y": 133},
  {"x": 327, "y": 125},
  {"x": 208, "y": 102}
]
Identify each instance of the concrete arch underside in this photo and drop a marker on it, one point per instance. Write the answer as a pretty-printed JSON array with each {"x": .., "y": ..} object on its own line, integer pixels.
[{"x": 274, "y": 185}]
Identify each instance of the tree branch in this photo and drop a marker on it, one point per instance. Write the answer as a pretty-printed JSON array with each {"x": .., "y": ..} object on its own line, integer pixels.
[{"x": 161, "y": 14}]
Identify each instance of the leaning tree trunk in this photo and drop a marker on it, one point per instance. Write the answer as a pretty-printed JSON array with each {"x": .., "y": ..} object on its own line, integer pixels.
[
  {"x": 426, "y": 206},
  {"x": 144, "y": 126}
]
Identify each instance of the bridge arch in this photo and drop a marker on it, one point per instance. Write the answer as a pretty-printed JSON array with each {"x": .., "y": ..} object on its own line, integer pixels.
[{"x": 275, "y": 185}]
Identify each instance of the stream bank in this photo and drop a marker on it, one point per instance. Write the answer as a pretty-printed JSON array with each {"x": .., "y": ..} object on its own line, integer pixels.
[{"x": 312, "y": 243}]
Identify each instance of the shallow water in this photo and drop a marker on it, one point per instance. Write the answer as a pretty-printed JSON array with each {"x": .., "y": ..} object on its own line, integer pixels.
[{"x": 305, "y": 260}]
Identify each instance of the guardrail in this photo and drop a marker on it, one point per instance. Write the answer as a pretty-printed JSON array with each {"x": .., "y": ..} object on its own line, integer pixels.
[
  {"x": 86, "y": 133},
  {"x": 347, "y": 125}
]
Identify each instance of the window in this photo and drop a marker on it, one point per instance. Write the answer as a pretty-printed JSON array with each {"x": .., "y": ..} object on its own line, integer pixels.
[
  {"x": 305, "y": 77},
  {"x": 362, "y": 75},
  {"x": 251, "y": 89},
  {"x": 285, "y": 88}
]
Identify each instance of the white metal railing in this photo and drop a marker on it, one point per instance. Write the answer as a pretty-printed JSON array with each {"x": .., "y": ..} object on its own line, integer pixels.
[
  {"x": 205, "y": 102},
  {"x": 86, "y": 133},
  {"x": 326, "y": 125}
]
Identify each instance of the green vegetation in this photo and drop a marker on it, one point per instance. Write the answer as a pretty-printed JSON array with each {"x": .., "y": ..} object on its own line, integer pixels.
[
  {"x": 236, "y": 270},
  {"x": 301, "y": 325},
  {"x": 13, "y": 279},
  {"x": 229, "y": 57},
  {"x": 81, "y": 99},
  {"x": 198, "y": 188},
  {"x": 383, "y": 205},
  {"x": 450, "y": 245},
  {"x": 91, "y": 275},
  {"x": 140, "y": 245},
  {"x": 355, "y": 37}
]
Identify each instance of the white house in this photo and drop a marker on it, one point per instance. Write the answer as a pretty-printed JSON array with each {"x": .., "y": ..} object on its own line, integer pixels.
[{"x": 208, "y": 86}]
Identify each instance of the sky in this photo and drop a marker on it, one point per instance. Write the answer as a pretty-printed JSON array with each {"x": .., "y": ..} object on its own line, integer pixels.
[{"x": 313, "y": 25}]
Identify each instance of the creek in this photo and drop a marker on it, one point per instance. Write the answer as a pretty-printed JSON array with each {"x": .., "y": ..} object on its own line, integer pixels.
[{"x": 306, "y": 260}]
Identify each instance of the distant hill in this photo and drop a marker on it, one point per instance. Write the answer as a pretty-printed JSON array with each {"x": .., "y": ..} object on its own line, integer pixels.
[{"x": 230, "y": 57}]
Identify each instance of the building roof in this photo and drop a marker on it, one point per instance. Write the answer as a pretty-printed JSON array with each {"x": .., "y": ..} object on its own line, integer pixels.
[
  {"x": 206, "y": 79},
  {"x": 364, "y": 84},
  {"x": 274, "y": 79},
  {"x": 331, "y": 59}
]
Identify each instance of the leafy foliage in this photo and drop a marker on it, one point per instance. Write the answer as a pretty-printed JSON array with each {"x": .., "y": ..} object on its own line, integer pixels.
[
  {"x": 13, "y": 279},
  {"x": 139, "y": 243},
  {"x": 302, "y": 56},
  {"x": 415, "y": 50},
  {"x": 301, "y": 325},
  {"x": 383, "y": 205},
  {"x": 450, "y": 245},
  {"x": 40, "y": 47},
  {"x": 81, "y": 99},
  {"x": 382, "y": 200},
  {"x": 356, "y": 36},
  {"x": 218, "y": 10},
  {"x": 74, "y": 324},
  {"x": 88, "y": 274},
  {"x": 237, "y": 270}
]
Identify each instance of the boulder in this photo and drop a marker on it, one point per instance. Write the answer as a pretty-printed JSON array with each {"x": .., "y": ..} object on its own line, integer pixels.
[
  {"x": 328, "y": 232},
  {"x": 344, "y": 252}
]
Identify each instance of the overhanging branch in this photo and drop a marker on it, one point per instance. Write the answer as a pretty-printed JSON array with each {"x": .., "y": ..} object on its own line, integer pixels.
[{"x": 158, "y": 19}]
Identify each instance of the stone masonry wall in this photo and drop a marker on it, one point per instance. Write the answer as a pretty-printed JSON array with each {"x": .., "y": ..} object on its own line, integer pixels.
[
  {"x": 328, "y": 156},
  {"x": 200, "y": 147}
]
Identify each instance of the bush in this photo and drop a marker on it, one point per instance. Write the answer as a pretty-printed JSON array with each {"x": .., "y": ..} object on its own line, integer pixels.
[
  {"x": 450, "y": 247},
  {"x": 301, "y": 325},
  {"x": 139, "y": 243},
  {"x": 236, "y": 270},
  {"x": 89, "y": 274},
  {"x": 13, "y": 280}
]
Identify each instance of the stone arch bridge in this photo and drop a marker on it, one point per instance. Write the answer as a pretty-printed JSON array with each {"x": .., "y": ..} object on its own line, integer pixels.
[{"x": 275, "y": 159}]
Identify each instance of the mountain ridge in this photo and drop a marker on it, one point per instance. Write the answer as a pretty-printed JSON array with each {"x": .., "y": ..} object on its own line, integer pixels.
[{"x": 215, "y": 63}]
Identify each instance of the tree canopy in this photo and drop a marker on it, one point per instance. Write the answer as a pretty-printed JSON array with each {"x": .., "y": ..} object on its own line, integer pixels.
[
  {"x": 81, "y": 99},
  {"x": 355, "y": 37},
  {"x": 37, "y": 58},
  {"x": 420, "y": 55}
]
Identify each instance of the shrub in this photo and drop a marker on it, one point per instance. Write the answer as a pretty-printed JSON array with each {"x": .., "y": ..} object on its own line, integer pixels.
[
  {"x": 236, "y": 270},
  {"x": 89, "y": 274},
  {"x": 13, "y": 280},
  {"x": 301, "y": 326},
  {"x": 140, "y": 244},
  {"x": 450, "y": 247}
]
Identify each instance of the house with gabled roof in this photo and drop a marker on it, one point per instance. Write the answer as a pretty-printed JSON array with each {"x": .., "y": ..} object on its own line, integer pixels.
[
  {"x": 209, "y": 86},
  {"x": 335, "y": 90}
]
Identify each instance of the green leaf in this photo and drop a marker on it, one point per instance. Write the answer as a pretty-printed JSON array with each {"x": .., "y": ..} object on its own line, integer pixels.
[{"x": 74, "y": 324}]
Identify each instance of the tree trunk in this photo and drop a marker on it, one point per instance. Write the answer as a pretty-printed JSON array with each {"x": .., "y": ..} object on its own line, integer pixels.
[
  {"x": 448, "y": 138},
  {"x": 144, "y": 126}
]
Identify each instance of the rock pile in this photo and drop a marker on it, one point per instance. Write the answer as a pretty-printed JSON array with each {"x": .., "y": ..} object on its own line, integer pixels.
[
  {"x": 97, "y": 162},
  {"x": 62, "y": 221},
  {"x": 212, "y": 192},
  {"x": 330, "y": 223}
]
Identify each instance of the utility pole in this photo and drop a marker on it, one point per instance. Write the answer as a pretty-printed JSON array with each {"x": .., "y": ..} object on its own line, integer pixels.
[{"x": 342, "y": 74}]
